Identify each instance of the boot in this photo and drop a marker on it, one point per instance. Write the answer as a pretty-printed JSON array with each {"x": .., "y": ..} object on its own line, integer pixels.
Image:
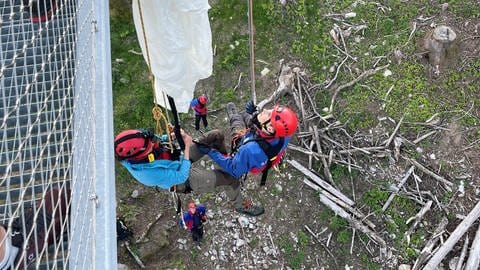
[
  {"x": 231, "y": 110},
  {"x": 248, "y": 208},
  {"x": 54, "y": 210},
  {"x": 182, "y": 188},
  {"x": 41, "y": 10},
  {"x": 213, "y": 139}
]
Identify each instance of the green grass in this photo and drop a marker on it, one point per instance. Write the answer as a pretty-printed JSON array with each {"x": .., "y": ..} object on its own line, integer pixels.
[
  {"x": 299, "y": 31},
  {"x": 375, "y": 199},
  {"x": 295, "y": 252},
  {"x": 368, "y": 263}
]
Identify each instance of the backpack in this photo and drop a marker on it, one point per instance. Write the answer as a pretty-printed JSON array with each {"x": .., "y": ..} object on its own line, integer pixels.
[{"x": 273, "y": 153}]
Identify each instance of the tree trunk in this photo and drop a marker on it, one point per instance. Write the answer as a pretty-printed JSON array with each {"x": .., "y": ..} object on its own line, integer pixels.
[{"x": 439, "y": 43}]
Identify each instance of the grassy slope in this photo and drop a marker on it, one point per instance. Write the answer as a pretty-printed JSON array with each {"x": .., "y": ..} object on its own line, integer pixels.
[{"x": 299, "y": 32}]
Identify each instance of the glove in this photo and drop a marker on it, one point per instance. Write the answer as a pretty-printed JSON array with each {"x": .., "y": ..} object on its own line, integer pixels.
[{"x": 250, "y": 108}]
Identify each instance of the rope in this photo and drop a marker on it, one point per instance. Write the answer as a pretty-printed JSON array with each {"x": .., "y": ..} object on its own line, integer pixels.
[
  {"x": 252, "y": 53},
  {"x": 156, "y": 111}
]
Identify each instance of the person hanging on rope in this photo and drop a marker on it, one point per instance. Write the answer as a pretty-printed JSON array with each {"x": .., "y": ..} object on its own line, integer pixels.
[
  {"x": 150, "y": 160},
  {"x": 199, "y": 106},
  {"x": 193, "y": 220},
  {"x": 43, "y": 231},
  {"x": 255, "y": 150}
]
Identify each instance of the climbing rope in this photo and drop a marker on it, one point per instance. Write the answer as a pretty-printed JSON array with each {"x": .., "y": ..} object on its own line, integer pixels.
[
  {"x": 252, "y": 51},
  {"x": 157, "y": 112}
]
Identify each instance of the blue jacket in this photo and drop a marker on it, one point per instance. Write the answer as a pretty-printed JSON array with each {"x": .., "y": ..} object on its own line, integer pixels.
[
  {"x": 195, "y": 220},
  {"x": 249, "y": 156},
  {"x": 163, "y": 173}
]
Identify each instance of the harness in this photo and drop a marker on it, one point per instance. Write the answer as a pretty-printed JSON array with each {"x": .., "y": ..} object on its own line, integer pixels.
[{"x": 272, "y": 153}]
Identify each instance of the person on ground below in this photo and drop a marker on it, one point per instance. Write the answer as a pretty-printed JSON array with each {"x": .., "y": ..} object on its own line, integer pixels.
[
  {"x": 193, "y": 220},
  {"x": 199, "y": 106}
]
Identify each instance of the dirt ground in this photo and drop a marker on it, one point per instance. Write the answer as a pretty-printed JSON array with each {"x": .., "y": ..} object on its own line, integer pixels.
[{"x": 298, "y": 231}]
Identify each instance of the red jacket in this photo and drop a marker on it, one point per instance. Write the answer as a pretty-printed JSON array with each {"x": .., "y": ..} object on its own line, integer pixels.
[{"x": 198, "y": 108}]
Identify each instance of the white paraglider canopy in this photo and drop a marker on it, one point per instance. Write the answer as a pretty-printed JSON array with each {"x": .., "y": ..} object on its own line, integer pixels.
[{"x": 178, "y": 46}]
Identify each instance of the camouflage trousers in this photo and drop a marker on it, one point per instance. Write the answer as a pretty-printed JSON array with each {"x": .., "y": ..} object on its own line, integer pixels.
[{"x": 202, "y": 180}]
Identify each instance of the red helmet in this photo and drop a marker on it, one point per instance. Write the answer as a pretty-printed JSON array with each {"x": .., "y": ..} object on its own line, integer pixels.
[
  {"x": 133, "y": 144},
  {"x": 202, "y": 99},
  {"x": 284, "y": 121}
]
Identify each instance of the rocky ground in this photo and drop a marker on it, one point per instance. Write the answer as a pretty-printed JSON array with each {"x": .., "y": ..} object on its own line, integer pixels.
[{"x": 297, "y": 231}]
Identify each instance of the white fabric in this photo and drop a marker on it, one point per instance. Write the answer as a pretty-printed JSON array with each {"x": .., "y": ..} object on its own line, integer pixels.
[
  {"x": 10, "y": 255},
  {"x": 179, "y": 43}
]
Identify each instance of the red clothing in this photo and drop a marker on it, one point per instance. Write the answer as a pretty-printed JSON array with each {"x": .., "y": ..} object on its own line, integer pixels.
[{"x": 198, "y": 107}]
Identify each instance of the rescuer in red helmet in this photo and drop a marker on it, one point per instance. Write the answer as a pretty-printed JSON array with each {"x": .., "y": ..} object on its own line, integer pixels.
[
  {"x": 259, "y": 140},
  {"x": 199, "y": 106},
  {"x": 193, "y": 220}
]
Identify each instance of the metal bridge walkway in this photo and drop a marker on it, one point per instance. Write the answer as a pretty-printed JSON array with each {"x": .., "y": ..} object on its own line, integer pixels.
[{"x": 36, "y": 104}]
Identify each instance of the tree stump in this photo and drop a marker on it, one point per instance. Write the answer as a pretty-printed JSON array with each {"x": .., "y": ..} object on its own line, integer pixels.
[{"x": 439, "y": 45}]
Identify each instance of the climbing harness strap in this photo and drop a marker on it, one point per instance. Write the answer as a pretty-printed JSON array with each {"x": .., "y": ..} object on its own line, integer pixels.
[
  {"x": 270, "y": 151},
  {"x": 272, "y": 154}
]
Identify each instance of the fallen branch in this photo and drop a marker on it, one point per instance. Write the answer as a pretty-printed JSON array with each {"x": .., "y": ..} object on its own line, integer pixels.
[
  {"x": 318, "y": 240},
  {"x": 326, "y": 169},
  {"x": 459, "y": 265},
  {"x": 397, "y": 188},
  {"x": 285, "y": 81},
  {"x": 238, "y": 82},
  {"x": 355, "y": 223},
  {"x": 390, "y": 139},
  {"x": 341, "y": 203},
  {"x": 244, "y": 237},
  {"x": 135, "y": 256},
  {"x": 474, "y": 256},
  {"x": 299, "y": 86},
  {"x": 364, "y": 150},
  {"x": 343, "y": 86},
  {"x": 321, "y": 182},
  {"x": 454, "y": 237},
  {"x": 305, "y": 151},
  {"x": 336, "y": 73},
  {"x": 424, "y": 136},
  {"x": 428, "y": 248},
  {"x": 418, "y": 217},
  {"x": 141, "y": 239},
  {"x": 432, "y": 174}
]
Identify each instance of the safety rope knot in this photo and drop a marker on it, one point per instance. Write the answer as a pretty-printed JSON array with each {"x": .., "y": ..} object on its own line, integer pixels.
[{"x": 157, "y": 113}]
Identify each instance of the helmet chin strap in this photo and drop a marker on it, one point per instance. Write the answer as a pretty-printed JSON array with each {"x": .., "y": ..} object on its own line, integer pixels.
[{"x": 264, "y": 129}]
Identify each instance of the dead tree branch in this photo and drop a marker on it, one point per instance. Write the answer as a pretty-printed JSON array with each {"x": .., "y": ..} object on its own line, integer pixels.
[
  {"x": 432, "y": 174},
  {"x": 343, "y": 86},
  {"x": 453, "y": 239},
  {"x": 474, "y": 256},
  {"x": 429, "y": 246},
  {"x": 402, "y": 182}
]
